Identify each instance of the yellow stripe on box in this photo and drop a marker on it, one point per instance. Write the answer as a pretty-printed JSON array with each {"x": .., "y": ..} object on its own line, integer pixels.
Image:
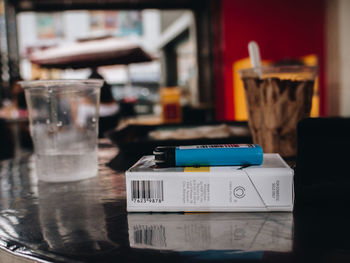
[{"x": 197, "y": 169}]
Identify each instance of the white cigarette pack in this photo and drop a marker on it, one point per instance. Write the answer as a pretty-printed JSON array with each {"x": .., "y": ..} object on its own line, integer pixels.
[{"x": 266, "y": 187}]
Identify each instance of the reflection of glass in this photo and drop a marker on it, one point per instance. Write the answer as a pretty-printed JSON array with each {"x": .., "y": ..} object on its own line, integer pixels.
[
  {"x": 72, "y": 218},
  {"x": 214, "y": 231}
]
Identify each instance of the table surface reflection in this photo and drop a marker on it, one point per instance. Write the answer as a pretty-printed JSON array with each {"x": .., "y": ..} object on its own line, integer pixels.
[{"x": 86, "y": 221}]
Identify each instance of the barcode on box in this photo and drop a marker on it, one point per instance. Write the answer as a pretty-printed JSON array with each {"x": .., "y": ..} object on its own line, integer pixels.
[
  {"x": 150, "y": 235},
  {"x": 147, "y": 191}
]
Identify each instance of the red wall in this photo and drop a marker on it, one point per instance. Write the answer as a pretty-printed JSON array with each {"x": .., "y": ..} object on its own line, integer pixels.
[{"x": 282, "y": 28}]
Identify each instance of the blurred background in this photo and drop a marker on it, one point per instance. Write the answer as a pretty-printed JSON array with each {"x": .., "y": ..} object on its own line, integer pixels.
[{"x": 178, "y": 57}]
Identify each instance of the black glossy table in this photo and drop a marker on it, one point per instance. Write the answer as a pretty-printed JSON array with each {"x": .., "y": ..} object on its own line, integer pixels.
[{"x": 86, "y": 221}]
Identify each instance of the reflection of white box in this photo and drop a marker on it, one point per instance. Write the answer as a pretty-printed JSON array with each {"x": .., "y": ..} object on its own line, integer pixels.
[
  {"x": 212, "y": 231},
  {"x": 268, "y": 187}
]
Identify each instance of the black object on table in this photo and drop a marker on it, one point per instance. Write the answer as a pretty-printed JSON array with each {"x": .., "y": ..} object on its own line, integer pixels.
[
  {"x": 322, "y": 171},
  {"x": 86, "y": 221},
  {"x": 134, "y": 140}
]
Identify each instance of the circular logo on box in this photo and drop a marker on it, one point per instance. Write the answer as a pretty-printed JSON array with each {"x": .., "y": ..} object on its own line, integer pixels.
[{"x": 239, "y": 192}]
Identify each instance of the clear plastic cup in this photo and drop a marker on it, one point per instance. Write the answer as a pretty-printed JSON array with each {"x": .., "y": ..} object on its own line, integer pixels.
[
  {"x": 63, "y": 117},
  {"x": 277, "y": 99}
]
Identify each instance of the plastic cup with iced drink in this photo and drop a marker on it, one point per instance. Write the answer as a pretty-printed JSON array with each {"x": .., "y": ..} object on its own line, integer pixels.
[
  {"x": 277, "y": 99},
  {"x": 63, "y": 117}
]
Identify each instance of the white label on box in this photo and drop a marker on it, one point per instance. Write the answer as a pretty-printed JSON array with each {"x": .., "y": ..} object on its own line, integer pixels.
[{"x": 194, "y": 191}]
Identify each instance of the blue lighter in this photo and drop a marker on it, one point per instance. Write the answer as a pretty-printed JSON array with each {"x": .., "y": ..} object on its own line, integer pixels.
[{"x": 209, "y": 155}]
